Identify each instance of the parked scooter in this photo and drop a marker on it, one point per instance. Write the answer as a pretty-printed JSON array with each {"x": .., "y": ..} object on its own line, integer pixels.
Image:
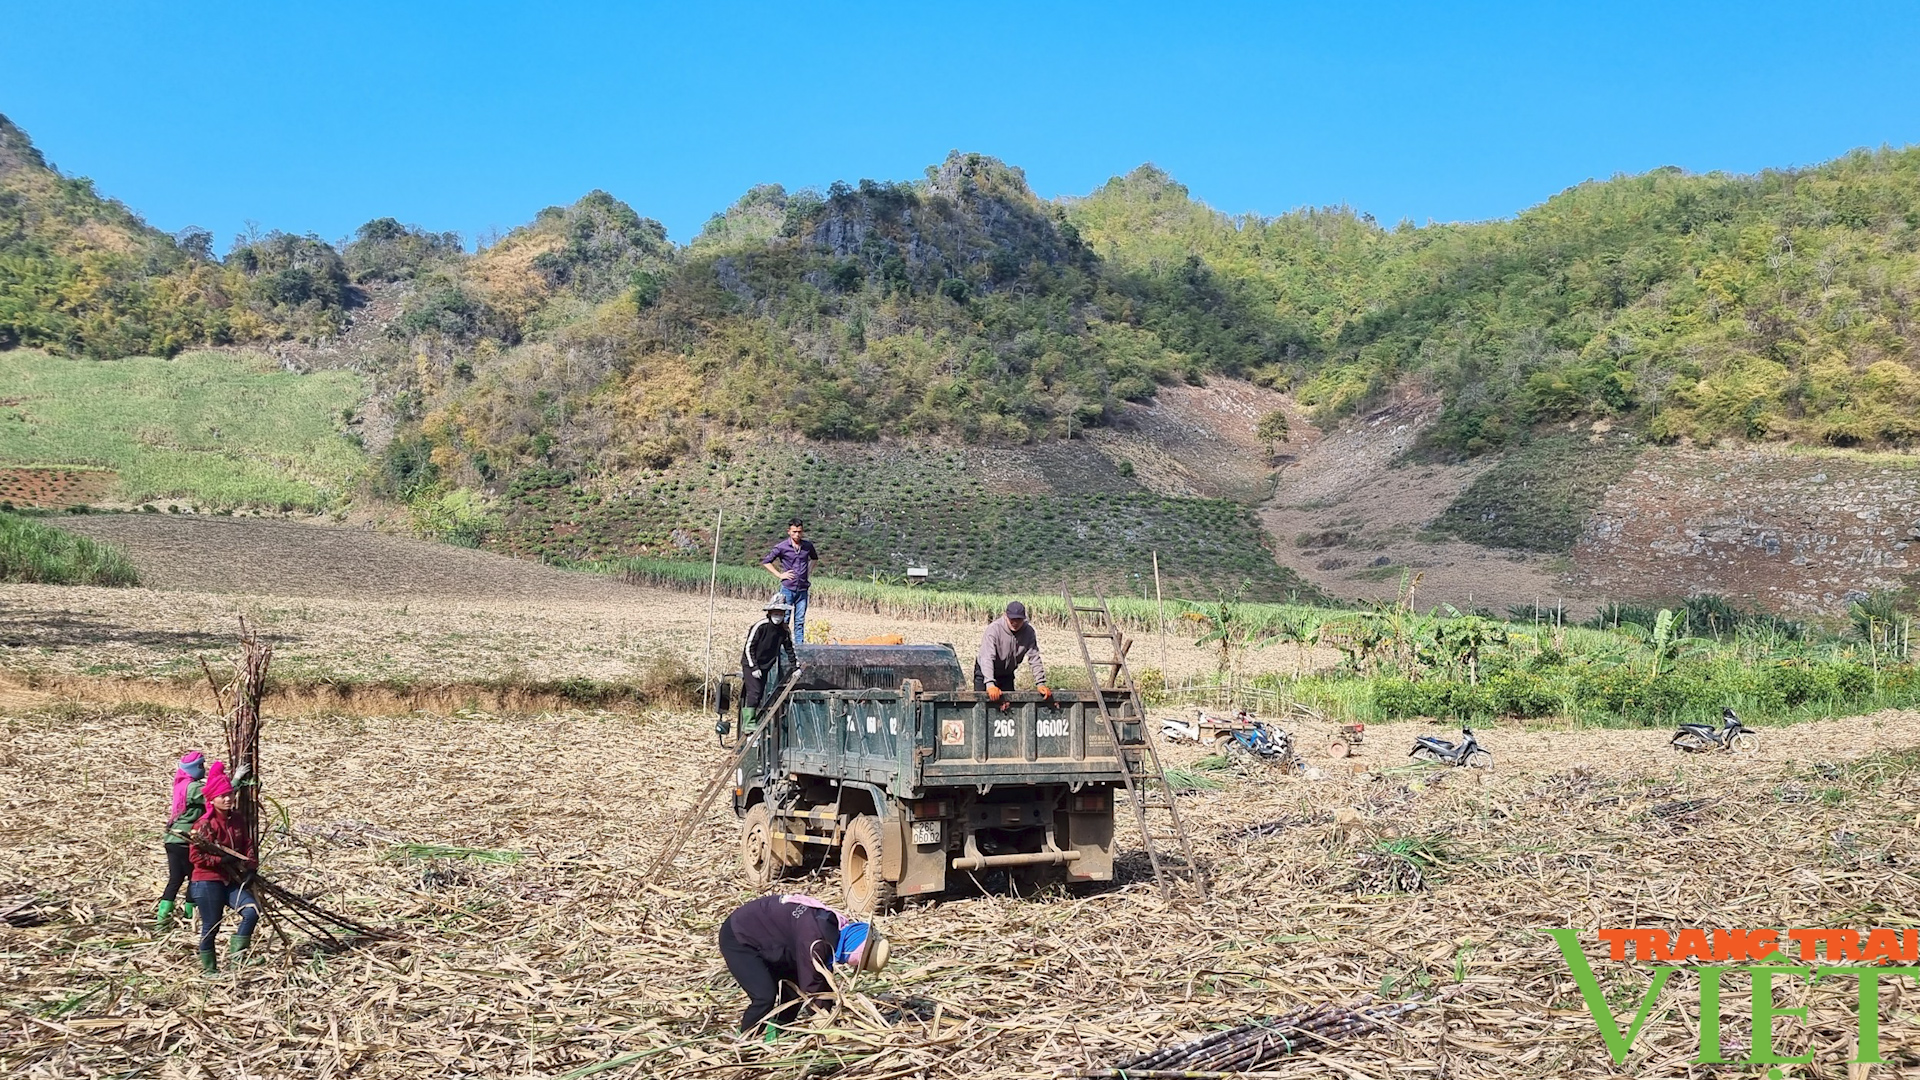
[
  {"x": 1261, "y": 741},
  {"x": 1467, "y": 751},
  {"x": 1731, "y": 735}
]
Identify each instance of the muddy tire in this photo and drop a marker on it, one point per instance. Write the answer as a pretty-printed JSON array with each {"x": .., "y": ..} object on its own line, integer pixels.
[
  {"x": 759, "y": 857},
  {"x": 1424, "y": 754},
  {"x": 1338, "y": 749},
  {"x": 1479, "y": 759},
  {"x": 1745, "y": 743},
  {"x": 862, "y": 881}
]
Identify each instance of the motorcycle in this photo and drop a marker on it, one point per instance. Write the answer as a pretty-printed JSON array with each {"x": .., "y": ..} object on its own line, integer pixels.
[
  {"x": 1259, "y": 740},
  {"x": 1731, "y": 735},
  {"x": 1467, "y": 751}
]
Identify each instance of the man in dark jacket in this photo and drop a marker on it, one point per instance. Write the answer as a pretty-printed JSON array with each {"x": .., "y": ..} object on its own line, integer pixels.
[
  {"x": 779, "y": 948},
  {"x": 768, "y": 642},
  {"x": 1008, "y": 641}
]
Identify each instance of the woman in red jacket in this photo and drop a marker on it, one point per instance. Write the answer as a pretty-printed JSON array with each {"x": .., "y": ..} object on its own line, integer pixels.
[{"x": 223, "y": 864}]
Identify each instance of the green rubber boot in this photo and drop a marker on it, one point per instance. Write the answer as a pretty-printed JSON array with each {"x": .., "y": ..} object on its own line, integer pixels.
[
  {"x": 746, "y": 719},
  {"x": 237, "y": 949},
  {"x": 163, "y": 917},
  {"x": 773, "y": 1032},
  {"x": 209, "y": 963},
  {"x": 186, "y": 911}
]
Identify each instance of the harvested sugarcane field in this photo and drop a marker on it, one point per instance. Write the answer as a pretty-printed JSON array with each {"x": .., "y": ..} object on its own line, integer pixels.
[
  {"x": 490, "y": 900},
  {"x": 670, "y": 571}
]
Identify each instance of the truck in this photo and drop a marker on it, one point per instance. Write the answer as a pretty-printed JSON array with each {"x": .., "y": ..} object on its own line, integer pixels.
[{"x": 886, "y": 759}]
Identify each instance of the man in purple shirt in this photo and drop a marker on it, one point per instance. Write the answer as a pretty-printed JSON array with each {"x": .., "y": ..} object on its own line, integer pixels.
[{"x": 791, "y": 560}]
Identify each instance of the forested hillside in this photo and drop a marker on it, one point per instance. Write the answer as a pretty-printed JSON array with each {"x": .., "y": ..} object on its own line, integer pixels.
[{"x": 1768, "y": 307}]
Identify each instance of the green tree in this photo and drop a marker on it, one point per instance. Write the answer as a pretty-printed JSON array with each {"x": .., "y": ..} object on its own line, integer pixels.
[{"x": 1272, "y": 429}]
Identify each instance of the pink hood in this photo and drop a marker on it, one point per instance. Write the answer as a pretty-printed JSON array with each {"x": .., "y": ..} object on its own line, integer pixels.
[{"x": 192, "y": 767}]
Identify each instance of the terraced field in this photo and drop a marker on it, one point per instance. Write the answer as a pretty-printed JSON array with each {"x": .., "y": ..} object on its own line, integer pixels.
[{"x": 878, "y": 512}]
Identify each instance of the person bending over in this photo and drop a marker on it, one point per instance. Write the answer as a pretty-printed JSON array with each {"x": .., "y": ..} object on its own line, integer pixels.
[{"x": 779, "y": 948}]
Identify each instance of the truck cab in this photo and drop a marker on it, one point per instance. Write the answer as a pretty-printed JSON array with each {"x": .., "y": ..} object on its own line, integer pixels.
[{"x": 886, "y": 759}]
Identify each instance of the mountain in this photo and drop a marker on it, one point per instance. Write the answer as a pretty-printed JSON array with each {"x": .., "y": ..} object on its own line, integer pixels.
[
  {"x": 582, "y": 387},
  {"x": 83, "y": 275},
  {"x": 1773, "y": 307}
]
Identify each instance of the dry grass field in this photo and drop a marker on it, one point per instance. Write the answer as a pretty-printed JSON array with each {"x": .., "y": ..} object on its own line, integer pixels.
[{"x": 506, "y": 853}]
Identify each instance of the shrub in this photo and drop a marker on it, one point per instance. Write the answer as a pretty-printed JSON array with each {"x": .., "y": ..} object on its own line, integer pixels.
[
  {"x": 42, "y": 555},
  {"x": 1523, "y": 694}
]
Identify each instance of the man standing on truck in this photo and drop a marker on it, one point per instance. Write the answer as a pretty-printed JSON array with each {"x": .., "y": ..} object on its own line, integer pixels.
[
  {"x": 767, "y": 643},
  {"x": 791, "y": 560},
  {"x": 1008, "y": 640}
]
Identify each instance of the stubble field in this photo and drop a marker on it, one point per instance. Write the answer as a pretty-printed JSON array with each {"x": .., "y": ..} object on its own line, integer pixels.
[{"x": 507, "y": 853}]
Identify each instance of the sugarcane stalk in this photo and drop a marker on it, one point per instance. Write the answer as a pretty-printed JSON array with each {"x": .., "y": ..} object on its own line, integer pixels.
[{"x": 1233, "y": 1051}]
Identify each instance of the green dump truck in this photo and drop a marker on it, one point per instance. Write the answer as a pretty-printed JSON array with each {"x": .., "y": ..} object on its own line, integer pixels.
[{"x": 885, "y": 758}]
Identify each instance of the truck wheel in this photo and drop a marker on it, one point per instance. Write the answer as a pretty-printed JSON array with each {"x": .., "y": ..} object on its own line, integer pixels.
[
  {"x": 762, "y": 858},
  {"x": 861, "y": 879}
]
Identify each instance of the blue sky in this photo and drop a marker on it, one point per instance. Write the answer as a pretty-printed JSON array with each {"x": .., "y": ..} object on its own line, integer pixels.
[{"x": 317, "y": 117}]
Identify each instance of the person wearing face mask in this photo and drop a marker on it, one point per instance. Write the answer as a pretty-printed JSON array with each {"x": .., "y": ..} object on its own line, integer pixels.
[
  {"x": 770, "y": 641},
  {"x": 1008, "y": 641}
]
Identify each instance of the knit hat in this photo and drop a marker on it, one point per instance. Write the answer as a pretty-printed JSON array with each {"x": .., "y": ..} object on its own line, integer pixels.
[
  {"x": 217, "y": 783},
  {"x": 193, "y": 766},
  {"x": 1016, "y": 610}
]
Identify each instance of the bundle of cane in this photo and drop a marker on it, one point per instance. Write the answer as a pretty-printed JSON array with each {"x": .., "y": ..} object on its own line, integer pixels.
[
  {"x": 1261, "y": 1042},
  {"x": 243, "y": 727},
  {"x": 280, "y": 906}
]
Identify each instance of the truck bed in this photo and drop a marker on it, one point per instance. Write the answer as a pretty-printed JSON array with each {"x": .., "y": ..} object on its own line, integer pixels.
[{"x": 907, "y": 742}]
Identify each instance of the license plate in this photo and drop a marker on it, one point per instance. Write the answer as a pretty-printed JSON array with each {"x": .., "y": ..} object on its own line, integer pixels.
[{"x": 926, "y": 832}]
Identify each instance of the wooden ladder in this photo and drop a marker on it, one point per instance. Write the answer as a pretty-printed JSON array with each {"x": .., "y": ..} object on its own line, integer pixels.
[{"x": 1140, "y": 769}]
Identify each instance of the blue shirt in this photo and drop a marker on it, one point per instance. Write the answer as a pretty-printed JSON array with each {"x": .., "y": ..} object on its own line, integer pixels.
[{"x": 794, "y": 559}]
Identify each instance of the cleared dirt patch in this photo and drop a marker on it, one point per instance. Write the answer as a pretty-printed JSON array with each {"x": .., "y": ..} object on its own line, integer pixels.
[
  {"x": 1199, "y": 440},
  {"x": 1351, "y": 521},
  {"x": 55, "y": 489}
]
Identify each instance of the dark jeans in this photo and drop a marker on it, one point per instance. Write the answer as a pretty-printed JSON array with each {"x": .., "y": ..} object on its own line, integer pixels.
[
  {"x": 798, "y": 600},
  {"x": 213, "y": 898},
  {"x": 179, "y": 868},
  {"x": 755, "y": 692},
  {"x": 769, "y": 989},
  {"x": 1002, "y": 678}
]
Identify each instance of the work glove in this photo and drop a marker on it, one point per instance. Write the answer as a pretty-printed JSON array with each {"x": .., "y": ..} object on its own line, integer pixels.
[
  {"x": 1044, "y": 692},
  {"x": 757, "y": 673},
  {"x": 994, "y": 693}
]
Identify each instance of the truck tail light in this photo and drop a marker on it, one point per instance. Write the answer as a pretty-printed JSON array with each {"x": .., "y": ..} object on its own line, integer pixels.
[
  {"x": 1088, "y": 804},
  {"x": 933, "y": 808}
]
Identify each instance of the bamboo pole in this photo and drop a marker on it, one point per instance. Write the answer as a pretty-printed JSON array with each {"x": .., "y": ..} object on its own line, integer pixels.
[
  {"x": 713, "y": 584},
  {"x": 1160, "y": 615}
]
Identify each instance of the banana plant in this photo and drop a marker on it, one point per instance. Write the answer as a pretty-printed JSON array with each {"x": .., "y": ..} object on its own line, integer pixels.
[{"x": 1463, "y": 639}]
